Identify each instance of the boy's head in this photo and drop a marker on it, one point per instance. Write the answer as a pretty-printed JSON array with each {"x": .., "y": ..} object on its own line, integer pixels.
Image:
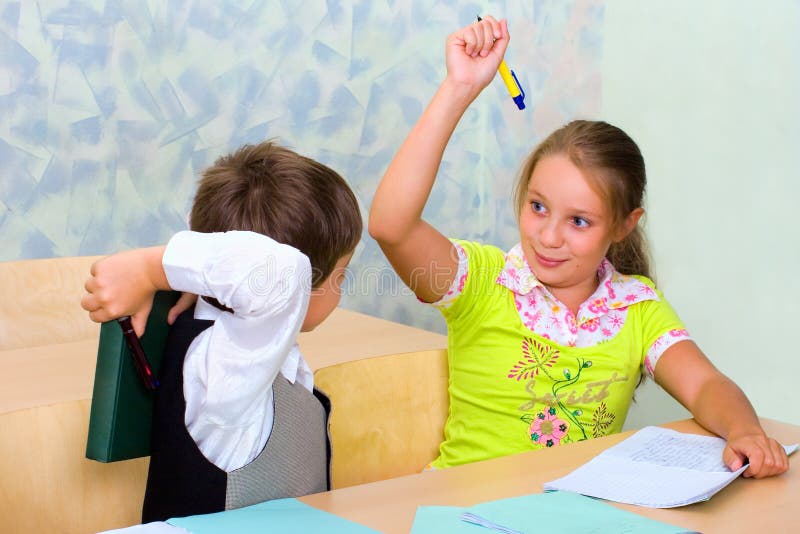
[{"x": 295, "y": 200}]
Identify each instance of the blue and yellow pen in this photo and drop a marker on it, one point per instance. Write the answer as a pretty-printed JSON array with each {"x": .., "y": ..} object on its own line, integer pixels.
[{"x": 511, "y": 82}]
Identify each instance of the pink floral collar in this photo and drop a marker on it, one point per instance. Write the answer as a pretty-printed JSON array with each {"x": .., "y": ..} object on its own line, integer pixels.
[{"x": 614, "y": 291}]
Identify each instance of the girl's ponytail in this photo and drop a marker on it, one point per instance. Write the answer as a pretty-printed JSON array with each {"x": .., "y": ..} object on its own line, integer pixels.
[{"x": 631, "y": 255}]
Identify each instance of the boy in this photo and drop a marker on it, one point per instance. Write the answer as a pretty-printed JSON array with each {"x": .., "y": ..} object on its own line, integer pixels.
[{"x": 236, "y": 419}]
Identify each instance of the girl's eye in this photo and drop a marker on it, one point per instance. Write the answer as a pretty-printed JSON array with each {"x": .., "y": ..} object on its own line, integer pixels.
[
  {"x": 537, "y": 206},
  {"x": 580, "y": 222}
]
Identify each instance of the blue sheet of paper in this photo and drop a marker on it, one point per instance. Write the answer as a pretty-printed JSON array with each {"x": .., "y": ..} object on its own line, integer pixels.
[
  {"x": 286, "y": 516},
  {"x": 555, "y": 511}
]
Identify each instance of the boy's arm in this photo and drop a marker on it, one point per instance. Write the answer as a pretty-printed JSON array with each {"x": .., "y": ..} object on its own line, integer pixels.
[
  {"x": 124, "y": 284},
  {"x": 720, "y": 406},
  {"x": 229, "y": 369},
  {"x": 424, "y": 258},
  {"x": 250, "y": 273}
]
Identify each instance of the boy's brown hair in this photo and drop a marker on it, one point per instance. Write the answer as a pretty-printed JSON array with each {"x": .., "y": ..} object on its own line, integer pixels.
[{"x": 276, "y": 192}]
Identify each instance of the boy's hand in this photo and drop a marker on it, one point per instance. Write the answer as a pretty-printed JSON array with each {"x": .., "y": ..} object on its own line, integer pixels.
[
  {"x": 124, "y": 284},
  {"x": 185, "y": 302},
  {"x": 766, "y": 456},
  {"x": 474, "y": 52}
]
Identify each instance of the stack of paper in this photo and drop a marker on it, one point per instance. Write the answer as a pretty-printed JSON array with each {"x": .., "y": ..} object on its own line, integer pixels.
[
  {"x": 542, "y": 512},
  {"x": 655, "y": 467}
]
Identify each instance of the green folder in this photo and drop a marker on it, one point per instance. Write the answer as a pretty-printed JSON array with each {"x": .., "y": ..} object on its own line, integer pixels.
[{"x": 122, "y": 408}]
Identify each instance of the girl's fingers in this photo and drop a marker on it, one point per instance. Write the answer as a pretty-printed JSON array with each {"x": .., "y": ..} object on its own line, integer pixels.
[
  {"x": 479, "y": 37},
  {"x": 497, "y": 28},
  {"x": 470, "y": 37},
  {"x": 780, "y": 459},
  {"x": 487, "y": 35}
]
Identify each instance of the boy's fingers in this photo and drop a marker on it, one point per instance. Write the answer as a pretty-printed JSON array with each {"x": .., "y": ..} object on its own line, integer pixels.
[
  {"x": 99, "y": 316},
  {"x": 89, "y": 303},
  {"x": 185, "y": 302},
  {"x": 139, "y": 321}
]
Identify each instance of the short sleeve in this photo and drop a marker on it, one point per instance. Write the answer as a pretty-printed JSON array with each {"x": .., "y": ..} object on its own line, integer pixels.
[
  {"x": 483, "y": 265},
  {"x": 457, "y": 285},
  {"x": 661, "y": 328}
]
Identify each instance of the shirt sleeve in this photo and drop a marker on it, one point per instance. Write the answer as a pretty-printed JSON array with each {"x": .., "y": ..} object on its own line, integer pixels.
[
  {"x": 230, "y": 367},
  {"x": 662, "y": 328},
  {"x": 457, "y": 285}
]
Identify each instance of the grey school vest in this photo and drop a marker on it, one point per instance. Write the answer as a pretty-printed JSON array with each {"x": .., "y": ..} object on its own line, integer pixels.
[{"x": 181, "y": 481}]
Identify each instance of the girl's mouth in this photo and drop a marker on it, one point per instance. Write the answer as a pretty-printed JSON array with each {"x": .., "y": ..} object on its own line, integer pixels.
[{"x": 545, "y": 261}]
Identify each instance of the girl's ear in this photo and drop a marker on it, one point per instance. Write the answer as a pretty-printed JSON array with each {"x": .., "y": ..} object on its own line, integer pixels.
[{"x": 628, "y": 224}]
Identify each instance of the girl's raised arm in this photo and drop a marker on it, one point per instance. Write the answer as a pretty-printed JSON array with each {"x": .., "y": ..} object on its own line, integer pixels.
[{"x": 424, "y": 258}]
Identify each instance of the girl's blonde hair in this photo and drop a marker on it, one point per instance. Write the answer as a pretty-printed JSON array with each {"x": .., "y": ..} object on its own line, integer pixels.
[{"x": 614, "y": 167}]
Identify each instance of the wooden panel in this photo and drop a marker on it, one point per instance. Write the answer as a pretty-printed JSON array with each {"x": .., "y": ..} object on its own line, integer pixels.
[
  {"x": 48, "y": 374},
  {"x": 347, "y": 335},
  {"x": 64, "y": 371},
  {"x": 47, "y": 485},
  {"x": 388, "y": 414},
  {"x": 40, "y": 302}
]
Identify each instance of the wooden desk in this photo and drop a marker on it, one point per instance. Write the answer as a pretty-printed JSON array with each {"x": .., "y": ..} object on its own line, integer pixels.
[
  {"x": 60, "y": 372},
  {"x": 746, "y": 505},
  {"x": 47, "y": 483}
]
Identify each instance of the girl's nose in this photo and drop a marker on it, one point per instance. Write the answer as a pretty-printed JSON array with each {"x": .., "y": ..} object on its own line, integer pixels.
[{"x": 550, "y": 234}]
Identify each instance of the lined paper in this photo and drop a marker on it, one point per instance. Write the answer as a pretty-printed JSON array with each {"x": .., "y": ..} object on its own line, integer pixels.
[{"x": 655, "y": 467}]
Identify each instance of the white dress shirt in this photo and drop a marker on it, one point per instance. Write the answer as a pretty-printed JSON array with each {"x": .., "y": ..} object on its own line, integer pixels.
[{"x": 229, "y": 368}]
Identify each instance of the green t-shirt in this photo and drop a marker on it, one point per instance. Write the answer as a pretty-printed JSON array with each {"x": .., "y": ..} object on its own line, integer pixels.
[{"x": 512, "y": 390}]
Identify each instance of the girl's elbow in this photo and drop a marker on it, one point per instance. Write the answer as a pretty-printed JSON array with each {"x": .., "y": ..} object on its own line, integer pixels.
[{"x": 381, "y": 231}]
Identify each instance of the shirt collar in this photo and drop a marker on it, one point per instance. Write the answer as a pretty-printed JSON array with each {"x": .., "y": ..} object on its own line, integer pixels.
[{"x": 615, "y": 290}]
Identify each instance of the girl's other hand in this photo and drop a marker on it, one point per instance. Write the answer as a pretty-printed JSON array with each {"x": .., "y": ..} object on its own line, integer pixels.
[
  {"x": 766, "y": 456},
  {"x": 474, "y": 52}
]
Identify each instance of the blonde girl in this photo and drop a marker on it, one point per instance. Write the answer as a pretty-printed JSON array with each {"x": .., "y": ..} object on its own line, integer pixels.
[{"x": 548, "y": 340}]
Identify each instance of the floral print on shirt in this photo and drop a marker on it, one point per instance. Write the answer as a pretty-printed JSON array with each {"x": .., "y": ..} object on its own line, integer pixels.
[
  {"x": 598, "y": 319},
  {"x": 546, "y": 428}
]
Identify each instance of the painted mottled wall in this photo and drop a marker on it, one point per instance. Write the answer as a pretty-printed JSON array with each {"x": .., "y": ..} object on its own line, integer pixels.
[{"x": 110, "y": 109}]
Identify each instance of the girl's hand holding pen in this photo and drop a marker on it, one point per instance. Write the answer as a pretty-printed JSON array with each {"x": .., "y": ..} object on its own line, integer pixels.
[
  {"x": 474, "y": 52},
  {"x": 124, "y": 284}
]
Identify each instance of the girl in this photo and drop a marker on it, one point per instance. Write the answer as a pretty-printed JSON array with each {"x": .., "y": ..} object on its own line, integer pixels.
[{"x": 546, "y": 341}]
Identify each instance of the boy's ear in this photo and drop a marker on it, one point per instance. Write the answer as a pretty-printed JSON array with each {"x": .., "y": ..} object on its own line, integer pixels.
[{"x": 628, "y": 224}]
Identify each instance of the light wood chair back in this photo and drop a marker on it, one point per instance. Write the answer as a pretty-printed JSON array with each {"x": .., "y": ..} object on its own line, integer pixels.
[
  {"x": 47, "y": 484},
  {"x": 388, "y": 414},
  {"x": 40, "y": 302}
]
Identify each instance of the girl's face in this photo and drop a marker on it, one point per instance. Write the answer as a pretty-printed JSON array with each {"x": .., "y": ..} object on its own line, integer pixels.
[{"x": 565, "y": 228}]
